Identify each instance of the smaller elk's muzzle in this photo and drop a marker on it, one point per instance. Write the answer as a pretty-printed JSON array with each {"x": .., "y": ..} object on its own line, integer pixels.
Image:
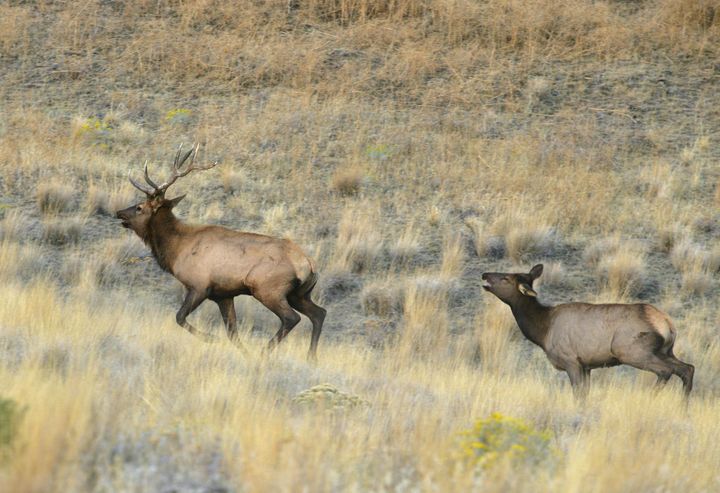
[{"x": 486, "y": 285}]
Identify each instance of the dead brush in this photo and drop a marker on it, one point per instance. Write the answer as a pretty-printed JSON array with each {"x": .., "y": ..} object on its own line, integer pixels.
[
  {"x": 359, "y": 243},
  {"x": 12, "y": 225},
  {"x": 453, "y": 257},
  {"x": 623, "y": 272},
  {"x": 696, "y": 280},
  {"x": 232, "y": 180},
  {"x": 407, "y": 246},
  {"x": 688, "y": 256},
  {"x": 61, "y": 231},
  {"x": 524, "y": 238},
  {"x": 425, "y": 325},
  {"x": 383, "y": 298},
  {"x": 347, "y": 181},
  {"x": 494, "y": 332},
  {"x": 478, "y": 229},
  {"x": 97, "y": 201},
  {"x": 53, "y": 198}
]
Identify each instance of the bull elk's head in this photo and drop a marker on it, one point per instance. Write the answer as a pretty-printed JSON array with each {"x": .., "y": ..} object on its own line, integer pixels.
[{"x": 137, "y": 217}]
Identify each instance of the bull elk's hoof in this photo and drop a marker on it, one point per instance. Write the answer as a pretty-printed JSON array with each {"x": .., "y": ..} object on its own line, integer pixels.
[
  {"x": 244, "y": 350},
  {"x": 205, "y": 337}
]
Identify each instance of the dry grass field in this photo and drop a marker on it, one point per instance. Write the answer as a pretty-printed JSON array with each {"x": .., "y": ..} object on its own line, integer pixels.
[{"x": 407, "y": 146}]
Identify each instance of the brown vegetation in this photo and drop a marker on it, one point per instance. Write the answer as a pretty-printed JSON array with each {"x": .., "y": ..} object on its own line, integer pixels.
[{"x": 408, "y": 146}]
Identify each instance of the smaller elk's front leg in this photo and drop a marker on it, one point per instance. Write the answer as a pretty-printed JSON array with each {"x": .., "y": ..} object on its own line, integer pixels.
[
  {"x": 193, "y": 299},
  {"x": 579, "y": 380}
]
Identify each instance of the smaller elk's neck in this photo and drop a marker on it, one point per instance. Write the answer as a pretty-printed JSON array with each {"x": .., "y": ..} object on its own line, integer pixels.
[
  {"x": 163, "y": 238},
  {"x": 533, "y": 318}
]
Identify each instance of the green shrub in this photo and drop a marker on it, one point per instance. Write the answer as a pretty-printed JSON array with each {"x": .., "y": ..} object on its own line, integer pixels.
[
  {"x": 10, "y": 416},
  {"x": 328, "y": 397},
  {"x": 501, "y": 438},
  {"x": 178, "y": 116}
]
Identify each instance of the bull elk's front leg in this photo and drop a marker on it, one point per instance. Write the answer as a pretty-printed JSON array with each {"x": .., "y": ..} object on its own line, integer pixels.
[
  {"x": 193, "y": 299},
  {"x": 227, "y": 311}
]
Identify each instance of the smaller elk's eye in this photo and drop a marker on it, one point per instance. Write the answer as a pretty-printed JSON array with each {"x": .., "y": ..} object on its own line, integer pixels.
[{"x": 138, "y": 208}]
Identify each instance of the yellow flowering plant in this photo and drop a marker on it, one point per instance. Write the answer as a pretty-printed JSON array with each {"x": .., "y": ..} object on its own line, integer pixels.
[{"x": 503, "y": 438}]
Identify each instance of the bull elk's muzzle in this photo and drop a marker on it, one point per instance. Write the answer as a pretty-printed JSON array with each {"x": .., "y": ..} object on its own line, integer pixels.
[{"x": 124, "y": 216}]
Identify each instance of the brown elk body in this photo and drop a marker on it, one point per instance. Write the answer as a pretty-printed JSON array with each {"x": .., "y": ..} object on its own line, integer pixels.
[
  {"x": 578, "y": 337},
  {"x": 217, "y": 263}
]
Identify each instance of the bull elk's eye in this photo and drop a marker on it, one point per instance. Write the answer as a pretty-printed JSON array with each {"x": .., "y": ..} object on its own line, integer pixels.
[{"x": 138, "y": 208}]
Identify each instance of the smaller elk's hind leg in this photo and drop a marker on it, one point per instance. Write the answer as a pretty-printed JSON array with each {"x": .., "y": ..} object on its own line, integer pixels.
[
  {"x": 683, "y": 370},
  {"x": 193, "y": 299},
  {"x": 227, "y": 311},
  {"x": 280, "y": 307},
  {"x": 316, "y": 314},
  {"x": 648, "y": 356}
]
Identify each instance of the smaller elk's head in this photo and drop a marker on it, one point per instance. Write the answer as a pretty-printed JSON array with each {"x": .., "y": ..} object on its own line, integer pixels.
[
  {"x": 137, "y": 217},
  {"x": 511, "y": 287}
]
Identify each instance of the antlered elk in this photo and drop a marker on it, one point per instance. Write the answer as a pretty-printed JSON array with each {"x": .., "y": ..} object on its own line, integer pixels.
[
  {"x": 218, "y": 264},
  {"x": 578, "y": 337}
]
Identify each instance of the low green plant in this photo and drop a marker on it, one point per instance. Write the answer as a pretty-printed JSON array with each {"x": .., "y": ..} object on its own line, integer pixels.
[
  {"x": 178, "y": 116},
  {"x": 379, "y": 152},
  {"x": 501, "y": 438},
  {"x": 11, "y": 415},
  {"x": 328, "y": 397},
  {"x": 95, "y": 131}
]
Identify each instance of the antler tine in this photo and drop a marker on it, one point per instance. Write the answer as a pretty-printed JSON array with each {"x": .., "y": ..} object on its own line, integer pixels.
[
  {"x": 147, "y": 177},
  {"x": 179, "y": 161},
  {"x": 140, "y": 187},
  {"x": 182, "y": 160},
  {"x": 177, "y": 156}
]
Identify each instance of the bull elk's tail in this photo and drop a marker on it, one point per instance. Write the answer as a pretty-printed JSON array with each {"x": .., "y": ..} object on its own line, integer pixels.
[{"x": 308, "y": 285}]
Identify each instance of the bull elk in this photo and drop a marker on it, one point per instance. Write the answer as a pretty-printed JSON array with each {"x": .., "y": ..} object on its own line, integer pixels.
[
  {"x": 217, "y": 263},
  {"x": 578, "y": 337}
]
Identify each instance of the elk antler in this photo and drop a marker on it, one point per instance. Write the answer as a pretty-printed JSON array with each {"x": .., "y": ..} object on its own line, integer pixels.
[{"x": 180, "y": 159}]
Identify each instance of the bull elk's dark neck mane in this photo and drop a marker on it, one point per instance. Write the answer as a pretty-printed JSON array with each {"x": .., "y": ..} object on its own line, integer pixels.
[
  {"x": 532, "y": 317},
  {"x": 162, "y": 237}
]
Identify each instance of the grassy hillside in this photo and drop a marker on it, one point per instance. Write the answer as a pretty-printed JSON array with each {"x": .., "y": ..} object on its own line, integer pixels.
[{"x": 407, "y": 146}]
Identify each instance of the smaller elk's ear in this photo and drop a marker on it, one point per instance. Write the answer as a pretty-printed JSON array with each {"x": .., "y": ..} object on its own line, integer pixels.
[
  {"x": 536, "y": 271},
  {"x": 173, "y": 202},
  {"x": 526, "y": 290}
]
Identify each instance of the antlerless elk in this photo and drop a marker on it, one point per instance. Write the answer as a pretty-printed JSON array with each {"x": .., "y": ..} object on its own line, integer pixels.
[{"x": 578, "y": 337}]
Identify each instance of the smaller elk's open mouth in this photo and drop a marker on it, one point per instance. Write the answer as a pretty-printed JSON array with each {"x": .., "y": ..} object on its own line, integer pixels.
[
  {"x": 486, "y": 285},
  {"x": 125, "y": 224}
]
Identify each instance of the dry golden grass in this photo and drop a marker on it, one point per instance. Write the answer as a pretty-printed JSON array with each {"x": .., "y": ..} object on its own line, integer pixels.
[
  {"x": 347, "y": 181},
  {"x": 388, "y": 139}
]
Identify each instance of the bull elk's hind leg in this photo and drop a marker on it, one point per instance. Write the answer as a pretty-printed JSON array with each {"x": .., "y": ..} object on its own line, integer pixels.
[
  {"x": 193, "y": 299},
  {"x": 315, "y": 313}
]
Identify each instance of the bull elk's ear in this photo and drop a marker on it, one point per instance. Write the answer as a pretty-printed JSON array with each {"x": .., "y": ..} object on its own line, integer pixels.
[
  {"x": 536, "y": 271},
  {"x": 173, "y": 202},
  {"x": 526, "y": 290}
]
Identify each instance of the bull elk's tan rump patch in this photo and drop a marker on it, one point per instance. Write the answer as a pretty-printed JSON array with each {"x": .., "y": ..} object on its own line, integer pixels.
[{"x": 217, "y": 263}]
